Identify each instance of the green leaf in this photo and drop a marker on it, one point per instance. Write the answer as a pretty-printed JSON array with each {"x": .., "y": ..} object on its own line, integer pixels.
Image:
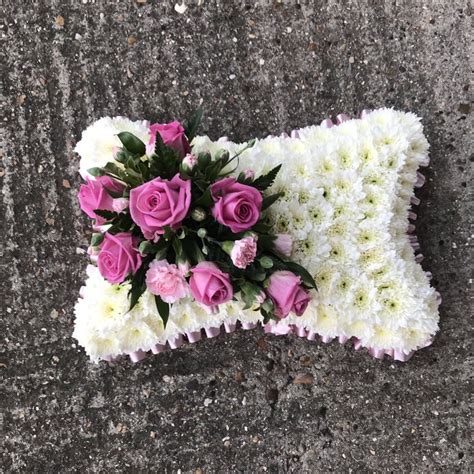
[
  {"x": 266, "y": 242},
  {"x": 169, "y": 232},
  {"x": 137, "y": 286},
  {"x": 192, "y": 126},
  {"x": 96, "y": 172},
  {"x": 269, "y": 200},
  {"x": 266, "y": 262},
  {"x": 177, "y": 247},
  {"x": 265, "y": 181},
  {"x": 203, "y": 160},
  {"x": 97, "y": 239},
  {"x": 205, "y": 200},
  {"x": 146, "y": 247},
  {"x": 132, "y": 143},
  {"x": 262, "y": 227},
  {"x": 165, "y": 161},
  {"x": 308, "y": 280},
  {"x": 109, "y": 215},
  {"x": 112, "y": 168},
  {"x": 163, "y": 309},
  {"x": 114, "y": 194},
  {"x": 122, "y": 156}
]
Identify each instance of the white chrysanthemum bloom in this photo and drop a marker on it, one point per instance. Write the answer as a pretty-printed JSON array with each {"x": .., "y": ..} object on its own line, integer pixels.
[
  {"x": 99, "y": 140},
  {"x": 105, "y": 327}
]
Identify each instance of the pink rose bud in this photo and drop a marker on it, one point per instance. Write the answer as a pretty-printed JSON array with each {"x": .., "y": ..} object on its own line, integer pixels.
[
  {"x": 93, "y": 195},
  {"x": 93, "y": 253},
  {"x": 244, "y": 251},
  {"x": 209, "y": 285},
  {"x": 120, "y": 204},
  {"x": 237, "y": 205},
  {"x": 260, "y": 298},
  {"x": 184, "y": 266},
  {"x": 118, "y": 257},
  {"x": 172, "y": 135},
  {"x": 159, "y": 203},
  {"x": 249, "y": 174},
  {"x": 287, "y": 294},
  {"x": 167, "y": 281},
  {"x": 189, "y": 162},
  {"x": 283, "y": 244}
]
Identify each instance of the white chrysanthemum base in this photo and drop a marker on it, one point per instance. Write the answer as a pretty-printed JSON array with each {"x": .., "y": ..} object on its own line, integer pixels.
[{"x": 348, "y": 191}]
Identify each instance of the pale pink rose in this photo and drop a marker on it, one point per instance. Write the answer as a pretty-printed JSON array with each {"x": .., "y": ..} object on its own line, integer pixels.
[
  {"x": 189, "y": 162},
  {"x": 249, "y": 174},
  {"x": 237, "y": 205},
  {"x": 159, "y": 203},
  {"x": 172, "y": 135},
  {"x": 210, "y": 285},
  {"x": 287, "y": 294},
  {"x": 244, "y": 251},
  {"x": 93, "y": 195},
  {"x": 118, "y": 257},
  {"x": 167, "y": 281},
  {"x": 283, "y": 244}
]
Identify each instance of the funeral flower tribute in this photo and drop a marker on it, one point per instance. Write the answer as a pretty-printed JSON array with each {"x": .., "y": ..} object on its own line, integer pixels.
[{"x": 307, "y": 233}]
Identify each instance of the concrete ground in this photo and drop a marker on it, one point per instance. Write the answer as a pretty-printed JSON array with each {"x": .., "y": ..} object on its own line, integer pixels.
[{"x": 228, "y": 404}]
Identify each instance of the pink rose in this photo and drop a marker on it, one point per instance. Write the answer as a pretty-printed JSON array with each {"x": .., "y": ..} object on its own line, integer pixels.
[
  {"x": 159, "y": 203},
  {"x": 244, "y": 251},
  {"x": 166, "y": 280},
  {"x": 302, "y": 299},
  {"x": 236, "y": 205},
  {"x": 172, "y": 135},
  {"x": 283, "y": 244},
  {"x": 93, "y": 195},
  {"x": 287, "y": 294},
  {"x": 209, "y": 285},
  {"x": 118, "y": 257}
]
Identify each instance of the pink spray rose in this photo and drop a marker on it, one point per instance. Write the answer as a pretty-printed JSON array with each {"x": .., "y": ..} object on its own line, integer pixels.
[
  {"x": 244, "y": 251},
  {"x": 287, "y": 294},
  {"x": 166, "y": 280},
  {"x": 172, "y": 135},
  {"x": 189, "y": 162},
  {"x": 209, "y": 285},
  {"x": 236, "y": 205},
  {"x": 93, "y": 195},
  {"x": 283, "y": 244},
  {"x": 159, "y": 203},
  {"x": 118, "y": 257},
  {"x": 249, "y": 173}
]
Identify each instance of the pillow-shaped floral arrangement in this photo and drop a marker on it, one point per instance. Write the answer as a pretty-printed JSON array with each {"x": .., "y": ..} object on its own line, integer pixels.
[{"x": 347, "y": 192}]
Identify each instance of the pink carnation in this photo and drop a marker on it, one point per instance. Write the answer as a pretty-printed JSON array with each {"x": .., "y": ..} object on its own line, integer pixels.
[
  {"x": 167, "y": 281},
  {"x": 244, "y": 251}
]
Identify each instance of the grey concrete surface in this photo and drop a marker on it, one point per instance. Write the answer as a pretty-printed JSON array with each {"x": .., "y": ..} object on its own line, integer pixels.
[{"x": 228, "y": 404}]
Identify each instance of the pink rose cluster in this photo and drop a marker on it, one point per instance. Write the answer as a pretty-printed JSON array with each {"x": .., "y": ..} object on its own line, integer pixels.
[{"x": 145, "y": 219}]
